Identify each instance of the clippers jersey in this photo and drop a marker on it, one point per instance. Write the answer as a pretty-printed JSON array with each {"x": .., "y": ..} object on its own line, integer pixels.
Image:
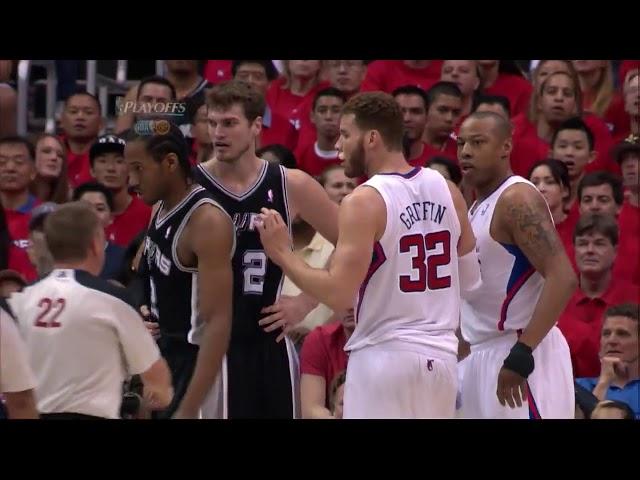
[
  {"x": 174, "y": 287},
  {"x": 510, "y": 285},
  {"x": 257, "y": 280},
  {"x": 411, "y": 292}
]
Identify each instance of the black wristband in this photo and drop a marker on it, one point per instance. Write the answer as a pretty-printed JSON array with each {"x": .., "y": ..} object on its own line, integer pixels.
[{"x": 520, "y": 360}]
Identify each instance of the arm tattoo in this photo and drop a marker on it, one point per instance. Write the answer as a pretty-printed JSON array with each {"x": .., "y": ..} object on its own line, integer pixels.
[{"x": 537, "y": 238}]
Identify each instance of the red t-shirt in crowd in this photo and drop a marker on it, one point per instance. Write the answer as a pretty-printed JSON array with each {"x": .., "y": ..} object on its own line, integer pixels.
[
  {"x": 581, "y": 323},
  {"x": 18, "y": 226},
  {"x": 277, "y": 129},
  {"x": 127, "y": 225},
  {"x": 516, "y": 88},
  {"x": 615, "y": 118},
  {"x": 217, "y": 71},
  {"x": 448, "y": 150},
  {"x": 292, "y": 107},
  {"x": 78, "y": 166},
  {"x": 312, "y": 160},
  {"x": 323, "y": 353},
  {"x": 387, "y": 75},
  {"x": 627, "y": 265}
]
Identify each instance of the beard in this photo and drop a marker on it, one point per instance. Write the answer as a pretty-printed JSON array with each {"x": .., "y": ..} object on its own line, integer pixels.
[
  {"x": 355, "y": 167},
  {"x": 231, "y": 157}
]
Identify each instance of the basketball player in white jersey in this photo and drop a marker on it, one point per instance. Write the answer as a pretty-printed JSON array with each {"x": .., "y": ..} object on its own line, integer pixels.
[
  {"x": 83, "y": 337},
  {"x": 405, "y": 249},
  {"x": 519, "y": 366}
]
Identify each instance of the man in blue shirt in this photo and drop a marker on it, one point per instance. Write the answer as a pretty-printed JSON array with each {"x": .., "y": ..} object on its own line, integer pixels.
[
  {"x": 101, "y": 198},
  {"x": 619, "y": 378}
]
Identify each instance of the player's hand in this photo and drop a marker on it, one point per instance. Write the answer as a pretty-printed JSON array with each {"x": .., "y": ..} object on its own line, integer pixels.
[
  {"x": 274, "y": 235},
  {"x": 153, "y": 327},
  {"x": 512, "y": 388},
  {"x": 285, "y": 314},
  {"x": 610, "y": 368}
]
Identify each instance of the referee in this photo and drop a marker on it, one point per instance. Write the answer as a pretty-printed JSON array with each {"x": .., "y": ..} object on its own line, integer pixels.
[{"x": 82, "y": 335}]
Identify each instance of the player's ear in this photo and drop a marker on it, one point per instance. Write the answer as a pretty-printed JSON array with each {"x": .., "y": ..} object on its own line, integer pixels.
[
  {"x": 507, "y": 146},
  {"x": 172, "y": 161},
  {"x": 256, "y": 126}
]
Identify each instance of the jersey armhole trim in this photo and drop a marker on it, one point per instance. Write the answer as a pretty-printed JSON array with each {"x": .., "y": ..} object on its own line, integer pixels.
[
  {"x": 183, "y": 224},
  {"x": 285, "y": 195},
  {"x": 387, "y": 203}
]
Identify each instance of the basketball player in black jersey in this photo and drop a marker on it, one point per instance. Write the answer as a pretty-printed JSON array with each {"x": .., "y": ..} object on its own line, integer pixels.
[
  {"x": 260, "y": 373},
  {"x": 187, "y": 252}
]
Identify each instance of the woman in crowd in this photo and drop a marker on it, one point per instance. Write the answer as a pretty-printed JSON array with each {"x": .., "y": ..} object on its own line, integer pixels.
[{"x": 51, "y": 183}]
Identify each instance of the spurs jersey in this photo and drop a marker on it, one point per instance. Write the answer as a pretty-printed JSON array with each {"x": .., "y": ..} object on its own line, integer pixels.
[
  {"x": 411, "y": 292},
  {"x": 510, "y": 285},
  {"x": 174, "y": 287},
  {"x": 257, "y": 280}
]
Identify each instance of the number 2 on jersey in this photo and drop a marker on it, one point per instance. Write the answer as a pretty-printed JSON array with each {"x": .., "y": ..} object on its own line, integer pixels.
[
  {"x": 45, "y": 319},
  {"x": 255, "y": 268},
  {"x": 427, "y": 268}
]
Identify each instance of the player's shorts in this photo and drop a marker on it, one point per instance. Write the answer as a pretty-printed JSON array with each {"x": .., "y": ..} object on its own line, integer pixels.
[
  {"x": 400, "y": 380},
  {"x": 260, "y": 378},
  {"x": 181, "y": 358},
  {"x": 550, "y": 385}
]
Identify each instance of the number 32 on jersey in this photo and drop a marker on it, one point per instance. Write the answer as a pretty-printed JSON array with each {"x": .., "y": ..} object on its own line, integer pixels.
[{"x": 425, "y": 268}]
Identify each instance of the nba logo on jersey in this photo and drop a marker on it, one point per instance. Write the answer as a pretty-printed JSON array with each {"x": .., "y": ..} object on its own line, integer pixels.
[
  {"x": 62, "y": 274},
  {"x": 484, "y": 210},
  {"x": 166, "y": 235},
  {"x": 270, "y": 196}
]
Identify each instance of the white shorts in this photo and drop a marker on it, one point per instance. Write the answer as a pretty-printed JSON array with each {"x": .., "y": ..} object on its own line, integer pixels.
[
  {"x": 551, "y": 390},
  {"x": 392, "y": 381}
]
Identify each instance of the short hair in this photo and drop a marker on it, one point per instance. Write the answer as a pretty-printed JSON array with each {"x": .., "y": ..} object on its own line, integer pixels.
[
  {"x": 378, "y": 111},
  {"x": 454, "y": 170},
  {"x": 595, "y": 179},
  {"x": 590, "y": 223},
  {"x": 86, "y": 94},
  {"x": 20, "y": 140},
  {"x": 412, "y": 90},
  {"x": 559, "y": 172},
  {"x": 93, "y": 187},
  {"x": 628, "y": 413},
  {"x": 158, "y": 145},
  {"x": 270, "y": 70},
  {"x": 227, "y": 94},
  {"x": 502, "y": 124},
  {"x": 442, "y": 88},
  {"x": 39, "y": 215},
  {"x": 328, "y": 92},
  {"x": 69, "y": 231},
  {"x": 627, "y": 310},
  {"x": 323, "y": 178},
  {"x": 157, "y": 79},
  {"x": 492, "y": 100},
  {"x": 575, "y": 123},
  {"x": 285, "y": 156}
]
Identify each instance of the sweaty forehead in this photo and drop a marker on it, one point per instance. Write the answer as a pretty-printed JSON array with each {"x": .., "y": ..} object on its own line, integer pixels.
[
  {"x": 218, "y": 113},
  {"x": 478, "y": 126}
]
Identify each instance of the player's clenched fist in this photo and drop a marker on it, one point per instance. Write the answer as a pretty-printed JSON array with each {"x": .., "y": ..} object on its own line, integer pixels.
[{"x": 274, "y": 234}]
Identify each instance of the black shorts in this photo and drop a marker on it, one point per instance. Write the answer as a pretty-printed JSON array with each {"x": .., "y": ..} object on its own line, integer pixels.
[
  {"x": 259, "y": 380},
  {"x": 181, "y": 358}
]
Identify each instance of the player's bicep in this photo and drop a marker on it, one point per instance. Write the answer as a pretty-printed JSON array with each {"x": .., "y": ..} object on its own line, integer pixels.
[
  {"x": 529, "y": 223},
  {"x": 214, "y": 251},
  {"x": 357, "y": 226},
  {"x": 313, "y": 204},
  {"x": 467, "y": 241}
]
